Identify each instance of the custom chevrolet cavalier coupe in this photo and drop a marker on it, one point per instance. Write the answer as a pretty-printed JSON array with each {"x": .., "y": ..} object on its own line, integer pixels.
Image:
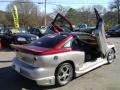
[{"x": 58, "y": 58}]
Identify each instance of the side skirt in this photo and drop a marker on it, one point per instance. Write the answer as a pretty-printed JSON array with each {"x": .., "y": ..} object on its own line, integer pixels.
[{"x": 88, "y": 66}]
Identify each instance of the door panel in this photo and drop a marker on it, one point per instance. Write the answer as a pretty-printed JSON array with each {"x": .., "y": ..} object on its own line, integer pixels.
[
  {"x": 100, "y": 34},
  {"x": 61, "y": 24}
]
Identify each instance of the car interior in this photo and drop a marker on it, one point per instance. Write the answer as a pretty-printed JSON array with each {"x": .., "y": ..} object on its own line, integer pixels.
[{"x": 89, "y": 45}]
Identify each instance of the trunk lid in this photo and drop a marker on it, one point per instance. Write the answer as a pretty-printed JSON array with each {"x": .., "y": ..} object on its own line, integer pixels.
[{"x": 27, "y": 54}]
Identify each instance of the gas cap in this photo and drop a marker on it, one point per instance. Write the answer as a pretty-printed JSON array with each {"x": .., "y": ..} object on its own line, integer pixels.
[{"x": 55, "y": 57}]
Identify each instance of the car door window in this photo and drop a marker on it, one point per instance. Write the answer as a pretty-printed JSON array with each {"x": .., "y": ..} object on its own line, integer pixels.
[
  {"x": 61, "y": 22},
  {"x": 68, "y": 44},
  {"x": 73, "y": 44}
]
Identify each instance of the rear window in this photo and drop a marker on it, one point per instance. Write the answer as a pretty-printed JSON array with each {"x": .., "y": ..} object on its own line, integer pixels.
[{"x": 49, "y": 41}]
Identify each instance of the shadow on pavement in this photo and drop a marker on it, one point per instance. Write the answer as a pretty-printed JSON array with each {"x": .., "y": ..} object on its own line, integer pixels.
[
  {"x": 6, "y": 49},
  {"x": 11, "y": 80}
]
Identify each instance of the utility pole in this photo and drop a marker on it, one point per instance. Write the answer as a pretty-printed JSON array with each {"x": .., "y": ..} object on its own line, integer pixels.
[{"x": 45, "y": 13}]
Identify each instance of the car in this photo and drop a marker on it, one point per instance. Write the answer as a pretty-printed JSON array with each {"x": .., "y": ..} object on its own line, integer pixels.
[
  {"x": 7, "y": 37},
  {"x": 81, "y": 27},
  {"x": 36, "y": 31},
  {"x": 55, "y": 59},
  {"x": 5, "y": 31},
  {"x": 23, "y": 38},
  {"x": 23, "y": 30},
  {"x": 43, "y": 29},
  {"x": 114, "y": 32}
]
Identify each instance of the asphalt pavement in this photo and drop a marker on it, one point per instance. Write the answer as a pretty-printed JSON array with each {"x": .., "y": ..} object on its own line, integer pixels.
[{"x": 106, "y": 77}]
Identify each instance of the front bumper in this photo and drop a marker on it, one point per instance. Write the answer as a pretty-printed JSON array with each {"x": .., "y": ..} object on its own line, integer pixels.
[{"x": 40, "y": 75}]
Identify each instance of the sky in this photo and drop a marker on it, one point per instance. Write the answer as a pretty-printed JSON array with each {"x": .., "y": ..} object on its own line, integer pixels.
[{"x": 67, "y": 3}]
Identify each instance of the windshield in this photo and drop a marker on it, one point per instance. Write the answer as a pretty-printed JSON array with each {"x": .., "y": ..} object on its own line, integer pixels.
[
  {"x": 49, "y": 41},
  {"x": 116, "y": 27},
  {"x": 63, "y": 24}
]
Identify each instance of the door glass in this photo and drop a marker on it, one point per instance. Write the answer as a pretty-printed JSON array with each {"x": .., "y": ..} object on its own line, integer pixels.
[
  {"x": 68, "y": 44},
  {"x": 63, "y": 23}
]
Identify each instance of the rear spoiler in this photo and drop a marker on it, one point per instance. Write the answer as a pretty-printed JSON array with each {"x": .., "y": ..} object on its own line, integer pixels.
[{"x": 22, "y": 48}]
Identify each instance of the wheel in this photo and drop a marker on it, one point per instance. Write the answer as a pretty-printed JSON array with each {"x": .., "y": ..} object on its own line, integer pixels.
[
  {"x": 64, "y": 74},
  {"x": 110, "y": 56}
]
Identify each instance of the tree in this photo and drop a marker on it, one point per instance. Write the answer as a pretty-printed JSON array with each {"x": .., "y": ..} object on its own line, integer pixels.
[
  {"x": 3, "y": 19},
  {"x": 86, "y": 15},
  {"x": 102, "y": 10},
  {"x": 110, "y": 19},
  {"x": 59, "y": 9},
  {"x": 72, "y": 15},
  {"x": 28, "y": 12},
  {"x": 116, "y": 7}
]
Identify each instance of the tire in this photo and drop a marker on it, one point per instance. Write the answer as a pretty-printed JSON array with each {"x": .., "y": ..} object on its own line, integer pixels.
[
  {"x": 64, "y": 74},
  {"x": 110, "y": 56}
]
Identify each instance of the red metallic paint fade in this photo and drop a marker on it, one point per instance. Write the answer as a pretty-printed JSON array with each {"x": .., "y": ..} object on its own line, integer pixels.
[
  {"x": 58, "y": 48},
  {"x": 43, "y": 51},
  {"x": 55, "y": 51},
  {"x": 29, "y": 49},
  {"x": 61, "y": 44},
  {"x": 40, "y": 51}
]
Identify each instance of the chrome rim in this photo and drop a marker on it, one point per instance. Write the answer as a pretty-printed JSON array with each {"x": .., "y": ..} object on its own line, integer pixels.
[
  {"x": 111, "y": 56},
  {"x": 65, "y": 74}
]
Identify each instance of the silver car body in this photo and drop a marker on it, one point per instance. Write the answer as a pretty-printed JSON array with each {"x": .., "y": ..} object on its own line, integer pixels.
[{"x": 43, "y": 68}]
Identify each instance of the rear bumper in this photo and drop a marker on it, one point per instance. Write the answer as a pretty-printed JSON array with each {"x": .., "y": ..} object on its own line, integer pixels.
[{"x": 40, "y": 75}]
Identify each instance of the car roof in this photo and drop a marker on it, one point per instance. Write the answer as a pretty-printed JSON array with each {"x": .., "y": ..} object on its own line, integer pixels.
[{"x": 25, "y": 35}]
